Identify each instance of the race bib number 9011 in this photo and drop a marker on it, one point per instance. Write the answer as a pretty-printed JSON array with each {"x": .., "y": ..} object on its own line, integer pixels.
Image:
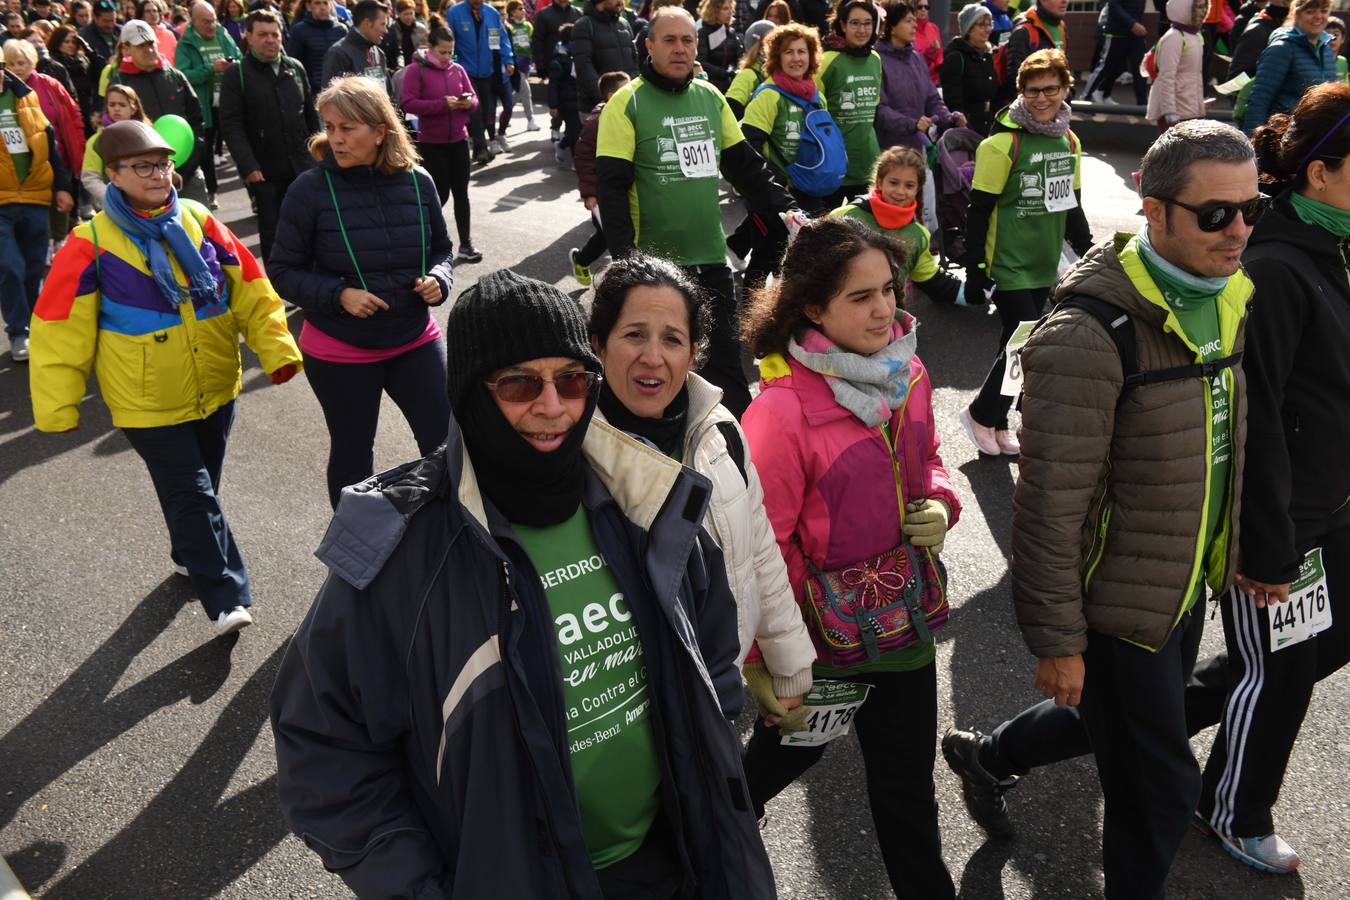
[
  {"x": 1308, "y": 611},
  {"x": 698, "y": 159}
]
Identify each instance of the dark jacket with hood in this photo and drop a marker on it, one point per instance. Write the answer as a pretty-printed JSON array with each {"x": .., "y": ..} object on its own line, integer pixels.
[
  {"x": 309, "y": 42},
  {"x": 163, "y": 91},
  {"x": 969, "y": 85},
  {"x": 1027, "y": 36},
  {"x": 1121, "y": 15},
  {"x": 267, "y": 117},
  {"x": 1298, "y": 382},
  {"x": 601, "y": 42},
  {"x": 421, "y": 741},
  {"x": 311, "y": 265},
  {"x": 547, "y": 22},
  {"x": 719, "y": 63},
  {"x": 1254, "y": 39}
]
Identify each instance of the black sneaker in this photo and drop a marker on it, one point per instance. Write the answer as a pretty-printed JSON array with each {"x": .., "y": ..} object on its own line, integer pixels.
[
  {"x": 983, "y": 792},
  {"x": 468, "y": 254}
]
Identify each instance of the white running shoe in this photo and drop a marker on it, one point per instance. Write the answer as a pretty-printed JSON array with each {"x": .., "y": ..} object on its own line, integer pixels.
[
  {"x": 232, "y": 621},
  {"x": 982, "y": 436},
  {"x": 18, "y": 348},
  {"x": 534, "y": 126},
  {"x": 1268, "y": 854},
  {"x": 502, "y": 145}
]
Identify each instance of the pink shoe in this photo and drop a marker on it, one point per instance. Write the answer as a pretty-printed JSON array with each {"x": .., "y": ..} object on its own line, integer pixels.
[
  {"x": 982, "y": 436},
  {"x": 1008, "y": 444}
]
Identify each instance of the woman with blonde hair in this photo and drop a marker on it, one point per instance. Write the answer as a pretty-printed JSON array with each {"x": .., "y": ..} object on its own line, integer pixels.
[
  {"x": 362, "y": 247},
  {"x": 1298, "y": 56}
]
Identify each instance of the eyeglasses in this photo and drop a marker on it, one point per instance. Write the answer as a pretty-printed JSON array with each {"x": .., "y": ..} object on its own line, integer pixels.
[
  {"x": 1217, "y": 216},
  {"x": 1053, "y": 91},
  {"x": 146, "y": 169},
  {"x": 527, "y": 388},
  {"x": 859, "y": 23}
]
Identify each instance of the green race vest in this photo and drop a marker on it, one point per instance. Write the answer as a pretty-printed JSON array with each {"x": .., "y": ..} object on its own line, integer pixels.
[
  {"x": 675, "y": 143},
  {"x": 852, "y": 89}
]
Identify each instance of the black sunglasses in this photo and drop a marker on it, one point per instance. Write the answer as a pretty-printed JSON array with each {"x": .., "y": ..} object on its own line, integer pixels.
[
  {"x": 527, "y": 388},
  {"x": 1218, "y": 216}
]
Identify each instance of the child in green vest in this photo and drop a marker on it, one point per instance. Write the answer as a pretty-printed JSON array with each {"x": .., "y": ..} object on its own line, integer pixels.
[
  {"x": 892, "y": 209},
  {"x": 1336, "y": 28}
]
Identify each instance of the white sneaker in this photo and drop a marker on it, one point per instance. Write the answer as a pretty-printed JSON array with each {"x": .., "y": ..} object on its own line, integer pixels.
[
  {"x": 1101, "y": 99},
  {"x": 18, "y": 348},
  {"x": 982, "y": 436},
  {"x": 1008, "y": 444},
  {"x": 502, "y": 145},
  {"x": 232, "y": 621},
  {"x": 534, "y": 126},
  {"x": 1268, "y": 854}
]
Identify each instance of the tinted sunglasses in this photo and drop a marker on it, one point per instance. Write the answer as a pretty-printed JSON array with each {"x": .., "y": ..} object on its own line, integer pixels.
[
  {"x": 1218, "y": 216},
  {"x": 527, "y": 388}
]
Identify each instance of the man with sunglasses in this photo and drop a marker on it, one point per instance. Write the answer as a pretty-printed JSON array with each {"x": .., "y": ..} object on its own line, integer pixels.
[
  {"x": 1133, "y": 424},
  {"x": 518, "y": 680}
]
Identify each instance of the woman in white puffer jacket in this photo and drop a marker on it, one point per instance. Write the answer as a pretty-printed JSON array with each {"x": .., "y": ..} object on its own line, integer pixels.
[{"x": 649, "y": 325}]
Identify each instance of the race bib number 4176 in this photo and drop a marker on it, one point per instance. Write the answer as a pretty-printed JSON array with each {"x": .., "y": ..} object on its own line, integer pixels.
[{"x": 832, "y": 705}]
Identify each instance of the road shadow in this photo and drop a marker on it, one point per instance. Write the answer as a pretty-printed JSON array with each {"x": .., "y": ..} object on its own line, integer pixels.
[
  {"x": 949, "y": 336},
  {"x": 544, "y": 190},
  {"x": 82, "y": 715},
  {"x": 550, "y": 263},
  {"x": 33, "y": 447},
  {"x": 190, "y": 841}
]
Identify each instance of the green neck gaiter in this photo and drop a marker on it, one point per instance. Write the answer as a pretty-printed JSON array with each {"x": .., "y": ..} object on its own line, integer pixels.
[
  {"x": 1332, "y": 219},
  {"x": 1181, "y": 289}
]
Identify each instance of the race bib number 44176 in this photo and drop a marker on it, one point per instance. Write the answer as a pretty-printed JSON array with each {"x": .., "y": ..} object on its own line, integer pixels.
[{"x": 1308, "y": 611}]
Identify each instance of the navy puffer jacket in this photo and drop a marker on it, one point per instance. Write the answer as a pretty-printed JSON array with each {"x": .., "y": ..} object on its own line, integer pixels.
[
  {"x": 309, "y": 43},
  {"x": 311, "y": 266},
  {"x": 1290, "y": 64}
]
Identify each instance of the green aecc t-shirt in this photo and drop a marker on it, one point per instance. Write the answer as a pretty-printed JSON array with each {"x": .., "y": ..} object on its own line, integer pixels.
[{"x": 609, "y": 726}]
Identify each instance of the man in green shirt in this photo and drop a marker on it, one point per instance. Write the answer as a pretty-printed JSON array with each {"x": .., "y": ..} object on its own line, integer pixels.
[
  {"x": 203, "y": 55},
  {"x": 664, "y": 139},
  {"x": 1123, "y": 512}
]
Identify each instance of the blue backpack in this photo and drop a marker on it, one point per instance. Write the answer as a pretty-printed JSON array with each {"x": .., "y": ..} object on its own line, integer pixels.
[{"x": 821, "y": 158}]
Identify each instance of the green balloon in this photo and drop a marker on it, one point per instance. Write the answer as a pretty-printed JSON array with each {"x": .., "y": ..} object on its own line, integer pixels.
[{"x": 177, "y": 133}]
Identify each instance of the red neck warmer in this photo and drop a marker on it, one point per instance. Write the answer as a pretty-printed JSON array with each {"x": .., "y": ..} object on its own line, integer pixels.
[
  {"x": 801, "y": 87},
  {"x": 888, "y": 215}
]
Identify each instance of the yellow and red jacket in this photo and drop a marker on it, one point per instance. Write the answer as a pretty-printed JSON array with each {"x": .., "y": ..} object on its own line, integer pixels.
[
  {"x": 36, "y": 189},
  {"x": 100, "y": 308}
]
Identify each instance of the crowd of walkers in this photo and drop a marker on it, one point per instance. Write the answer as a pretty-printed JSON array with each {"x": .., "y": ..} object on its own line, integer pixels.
[{"x": 521, "y": 676}]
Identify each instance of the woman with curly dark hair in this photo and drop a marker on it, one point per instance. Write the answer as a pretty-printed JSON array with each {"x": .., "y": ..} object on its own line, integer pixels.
[{"x": 843, "y": 435}]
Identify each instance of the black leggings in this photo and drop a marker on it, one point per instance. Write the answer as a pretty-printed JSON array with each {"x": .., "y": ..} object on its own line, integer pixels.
[
  {"x": 990, "y": 407},
  {"x": 897, "y": 733},
  {"x": 350, "y": 396},
  {"x": 449, "y": 168}
]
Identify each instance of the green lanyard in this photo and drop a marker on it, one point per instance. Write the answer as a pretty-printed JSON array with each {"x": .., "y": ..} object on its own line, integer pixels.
[{"x": 421, "y": 227}]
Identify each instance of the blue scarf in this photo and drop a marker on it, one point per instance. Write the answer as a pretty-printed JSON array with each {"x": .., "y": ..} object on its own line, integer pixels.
[{"x": 154, "y": 233}]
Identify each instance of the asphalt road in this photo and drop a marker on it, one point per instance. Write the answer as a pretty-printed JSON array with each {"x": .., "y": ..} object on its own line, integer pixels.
[{"x": 135, "y": 756}]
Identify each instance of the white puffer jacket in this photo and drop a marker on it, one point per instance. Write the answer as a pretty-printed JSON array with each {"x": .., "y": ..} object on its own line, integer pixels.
[{"x": 766, "y": 612}]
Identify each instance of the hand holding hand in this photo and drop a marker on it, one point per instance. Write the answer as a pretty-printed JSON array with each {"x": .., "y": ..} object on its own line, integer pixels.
[
  {"x": 428, "y": 288},
  {"x": 926, "y": 523},
  {"x": 1262, "y": 594},
  {"x": 359, "y": 303},
  {"x": 1061, "y": 677},
  {"x": 787, "y": 713}
]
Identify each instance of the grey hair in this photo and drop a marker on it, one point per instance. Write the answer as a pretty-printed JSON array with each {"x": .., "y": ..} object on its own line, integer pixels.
[{"x": 1164, "y": 171}]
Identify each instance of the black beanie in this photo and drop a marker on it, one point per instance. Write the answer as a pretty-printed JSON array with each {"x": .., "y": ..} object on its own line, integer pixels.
[{"x": 506, "y": 319}]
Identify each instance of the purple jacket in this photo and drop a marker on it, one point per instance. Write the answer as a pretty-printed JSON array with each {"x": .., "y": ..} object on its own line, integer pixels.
[
  {"x": 425, "y": 89},
  {"x": 907, "y": 92}
]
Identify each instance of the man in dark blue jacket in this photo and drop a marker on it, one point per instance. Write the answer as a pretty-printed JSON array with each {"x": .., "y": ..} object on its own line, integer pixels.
[
  {"x": 484, "y": 50},
  {"x": 312, "y": 36},
  {"x": 1122, "y": 51},
  {"x": 518, "y": 679}
]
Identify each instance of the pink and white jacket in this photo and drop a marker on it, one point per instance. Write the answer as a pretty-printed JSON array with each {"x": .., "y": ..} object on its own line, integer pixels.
[{"x": 828, "y": 479}]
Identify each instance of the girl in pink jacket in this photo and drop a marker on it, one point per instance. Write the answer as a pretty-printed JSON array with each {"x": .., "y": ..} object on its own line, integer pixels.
[
  {"x": 437, "y": 90},
  {"x": 843, "y": 435}
]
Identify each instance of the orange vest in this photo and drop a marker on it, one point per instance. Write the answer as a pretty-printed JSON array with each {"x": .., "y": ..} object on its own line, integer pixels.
[{"x": 37, "y": 187}]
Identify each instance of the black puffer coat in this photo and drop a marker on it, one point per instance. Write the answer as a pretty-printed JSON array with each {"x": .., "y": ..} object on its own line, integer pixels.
[
  {"x": 601, "y": 42},
  {"x": 969, "y": 84},
  {"x": 311, "y": 265},
  {"x": 719, "y": 62}
]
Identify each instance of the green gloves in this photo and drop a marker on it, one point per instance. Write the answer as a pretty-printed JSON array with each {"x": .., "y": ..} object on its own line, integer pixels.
[
  {"x": 760, "y": 682},
  {"x": 926, "y": 524}
]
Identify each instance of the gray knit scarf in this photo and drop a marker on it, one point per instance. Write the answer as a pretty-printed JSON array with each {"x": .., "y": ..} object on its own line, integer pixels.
[
  {"x": 870, "y": 387},
  {"x": 1055, "y": 128}
]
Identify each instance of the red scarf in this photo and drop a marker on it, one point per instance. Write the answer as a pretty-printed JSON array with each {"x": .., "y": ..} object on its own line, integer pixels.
[
  {"x": 888, "y": 215},
  {"x": 801, "y": 87}
]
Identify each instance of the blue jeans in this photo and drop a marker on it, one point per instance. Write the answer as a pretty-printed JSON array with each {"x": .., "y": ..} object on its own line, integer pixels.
[
  {"x": 184, "y": 462},
  {"x": 23, "y": 231}
]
